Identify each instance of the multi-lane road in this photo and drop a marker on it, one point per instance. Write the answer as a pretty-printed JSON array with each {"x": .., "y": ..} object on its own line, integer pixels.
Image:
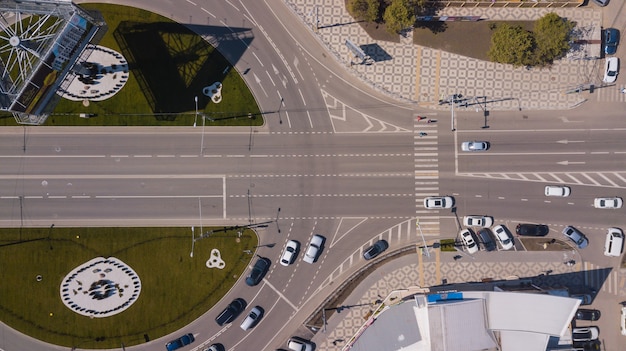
[{"x": 337, "y": 158}]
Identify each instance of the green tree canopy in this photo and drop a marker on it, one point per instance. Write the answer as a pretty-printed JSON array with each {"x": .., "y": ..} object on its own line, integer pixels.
[
  {"x": 552, "y": 35},
  {"x": 399, "y": 15},
  {"x": 511, "y": 44},
  {"x": 364, "y": 9}
]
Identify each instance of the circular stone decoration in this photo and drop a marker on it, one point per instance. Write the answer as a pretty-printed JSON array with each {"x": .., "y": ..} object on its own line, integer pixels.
[{"x": 100, "y": 288}]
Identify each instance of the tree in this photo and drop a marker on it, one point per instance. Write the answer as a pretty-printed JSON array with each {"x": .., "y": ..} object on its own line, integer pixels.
[
  {"x": 399, "y": 15},
  {"x": 512, "y": 44},
  {"x": 364, "y": 9},
  {"x": 552, "y": 35}
]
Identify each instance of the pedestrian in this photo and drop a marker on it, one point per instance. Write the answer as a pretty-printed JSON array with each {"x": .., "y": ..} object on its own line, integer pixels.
[
  {"x": 422, "y": 134},
  {"x": 623, "y": 90},
  {"x": 428, "y": 121}
]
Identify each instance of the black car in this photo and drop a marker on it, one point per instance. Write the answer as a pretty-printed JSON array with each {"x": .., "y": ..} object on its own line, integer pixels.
[
  {"x": 532, "y": 229},
  {"x": 611, "y": 38},
  {"x": 486, "y": 238},
  {"x": 587, "y": 345},
  {"x": 258, "y": 271},
  {"x": 587, "y": 314},
  {"x": 180, "y": 342},
  {"x": 375, "y": 250},
  {"x": 231, "y": 312}
]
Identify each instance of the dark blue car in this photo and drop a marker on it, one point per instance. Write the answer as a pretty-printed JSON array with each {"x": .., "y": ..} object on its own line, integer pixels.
[
  {"x": 180, "y": 342},
  {"x": 611, "y": 39}
]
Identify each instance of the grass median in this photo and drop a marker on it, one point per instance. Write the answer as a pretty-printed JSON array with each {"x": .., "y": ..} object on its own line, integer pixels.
[{"x": 176, "y": 288}]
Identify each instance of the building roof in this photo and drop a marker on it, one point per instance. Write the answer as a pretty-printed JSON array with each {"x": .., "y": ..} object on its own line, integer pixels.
[{"x": 469, "y": 321}]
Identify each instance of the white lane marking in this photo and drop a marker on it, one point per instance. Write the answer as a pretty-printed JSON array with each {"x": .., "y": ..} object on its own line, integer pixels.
[
  {"x": 111, "y": 176},
  {"x": 205, "y": 10},
  {"x": 258, "y": 59},
  {"x": 142, "y": 156},
  {"x": 154, "y": 196},
  {"x": 233, "y": 5},
  {"x": 310, "y": 120},
  {"x": 270, "y": 77},
  {"x": 302, "y": 96},
  {"x": 288, "y": 119},
  {"x": 224, "y": 197},
  {"x": 191, "y": 2}
]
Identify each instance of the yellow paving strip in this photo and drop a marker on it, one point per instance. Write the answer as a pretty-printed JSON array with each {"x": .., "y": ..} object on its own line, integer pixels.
[
  {"x": 437, "y": 93},
  {"x": 438, "y": 266},
  {"x": 420, "y": 262}
]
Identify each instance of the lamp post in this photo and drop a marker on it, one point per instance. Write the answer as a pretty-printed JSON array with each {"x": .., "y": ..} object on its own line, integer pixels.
[{"x": 195, "y": 98}]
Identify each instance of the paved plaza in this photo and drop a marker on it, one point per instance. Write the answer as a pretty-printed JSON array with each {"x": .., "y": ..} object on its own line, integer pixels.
[{"x": 425, "y": 75}]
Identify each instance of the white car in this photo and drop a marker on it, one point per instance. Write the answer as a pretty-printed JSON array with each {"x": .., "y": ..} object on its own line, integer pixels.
[
  {"x": 468, "y": 239},
  {"x": 608, "y": 202},
  {"x": 557, "y": 190},
  {"x": 291, "y": 249},
  {"x": 585, "y": 334},
  {"x": 475, "y": 146},
  {"x": 610, "y": 69},
  {"x": 614, "y": 243},
  {"x": 439, "y": 202},
  {"x": 299, "y": 344},
  {"x": 315, "y": 246},
  {"x": 478, "y": 221},
  {"x": 502, "y": 234}
]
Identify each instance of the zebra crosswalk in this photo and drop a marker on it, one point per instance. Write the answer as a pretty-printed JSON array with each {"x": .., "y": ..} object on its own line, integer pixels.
[
  {"x": 611, "y": 94},
  {"x": 426, "y": 160},
  {"x": 608, "y": 280}
]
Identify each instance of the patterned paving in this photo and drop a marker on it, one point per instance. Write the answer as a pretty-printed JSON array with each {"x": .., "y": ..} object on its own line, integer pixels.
[{"x": 425, "y": 75}]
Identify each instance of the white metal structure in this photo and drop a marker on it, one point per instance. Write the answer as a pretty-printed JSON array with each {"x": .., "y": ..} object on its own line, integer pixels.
[{"x": 40, "y": 41}]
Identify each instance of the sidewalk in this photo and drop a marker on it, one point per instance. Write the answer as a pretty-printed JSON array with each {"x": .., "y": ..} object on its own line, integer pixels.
[{"x": 425, "y": 75}]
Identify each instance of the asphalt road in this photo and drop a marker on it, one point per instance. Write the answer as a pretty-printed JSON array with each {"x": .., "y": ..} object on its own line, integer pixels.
[{"x": 335, "y": 158}]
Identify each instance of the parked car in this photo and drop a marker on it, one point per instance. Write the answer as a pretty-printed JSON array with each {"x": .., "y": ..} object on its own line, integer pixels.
[
  {"x": 475, "y": 146},
  {"x": 585, "y": 333},
  {"x": 486, "y": 238},
  {"x": 258, "y": 271},
  {"x": 622, "y": 320},
  {"x": 478, "y": 221},
  {"x": 375, "y": 250},
  {"x": 503, "y": 236},
  {"x": 298, "y": 344},
  {"x": 532, "y": 229},
  {"x": 180, "y": 342},
  {"x": 232, "y": 311},
  {"x": 591, "y": 345},
  {"x": 611, "y": 67},
  {"x": 434, "y": 202},
  {"x": 576, "y": 236},
  {"x": 608, "y": 202},
  {"x": 314, "y": 249},
  {"x": 585, "y": 314},
  {"x": 611, "y": 39},
  {"x": 215, "y": 347},
  {"x": 601, "y": 2},
  {"x": 614, "y": 244},
  {"x": 557, "y": 190},
  {"x": 468, "y": 240},
  {"x": 256, "y": 313},
  {"x": 290, "y": 252}
]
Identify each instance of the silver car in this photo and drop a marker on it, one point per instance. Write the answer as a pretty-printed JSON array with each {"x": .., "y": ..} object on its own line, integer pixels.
[
  {"x": 608, "y": 202},
  {"x": 315, "y": 246},
  {"x": 434, "y": 202},
  {"x": 503, "y": 237},
  {"x": 475, "y": 146},
  {"x": 576, "y": 236},
  {"x": 478, "y": 221}
]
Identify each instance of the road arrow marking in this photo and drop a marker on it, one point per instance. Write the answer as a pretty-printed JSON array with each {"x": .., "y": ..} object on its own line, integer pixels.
[{"x": 567, "y": 163}]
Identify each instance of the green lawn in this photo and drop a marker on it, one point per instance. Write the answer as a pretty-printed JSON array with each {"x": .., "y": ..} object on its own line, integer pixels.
[
  {"x": 169, "y": 67},
  {"x": 176, "y": 289}
]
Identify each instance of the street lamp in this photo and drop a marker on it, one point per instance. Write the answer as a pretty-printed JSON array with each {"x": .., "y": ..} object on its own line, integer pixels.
[{"x": 195, "y": 98}]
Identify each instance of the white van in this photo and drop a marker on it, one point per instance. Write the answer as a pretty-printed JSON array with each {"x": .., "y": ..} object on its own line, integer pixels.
[
  {"x": 614, "y": 243},
  {"x": 557, "y": 190}
]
